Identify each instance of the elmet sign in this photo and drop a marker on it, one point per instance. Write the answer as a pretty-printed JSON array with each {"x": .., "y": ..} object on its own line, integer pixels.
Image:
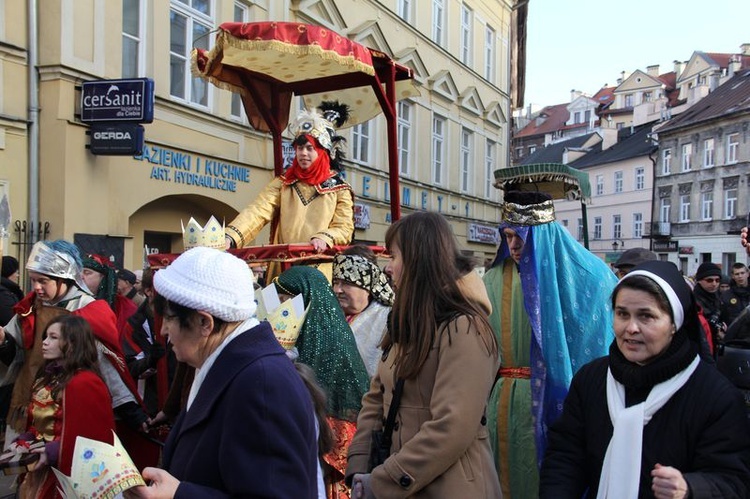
[{"x": 114, "y": 108}]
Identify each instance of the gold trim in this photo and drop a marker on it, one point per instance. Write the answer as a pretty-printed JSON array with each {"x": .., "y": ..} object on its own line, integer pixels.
[{"x": 533, "y": 214}]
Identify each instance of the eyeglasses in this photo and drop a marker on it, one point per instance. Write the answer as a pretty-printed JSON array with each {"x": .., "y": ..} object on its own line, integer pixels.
[{"x": 711, "y": 279}]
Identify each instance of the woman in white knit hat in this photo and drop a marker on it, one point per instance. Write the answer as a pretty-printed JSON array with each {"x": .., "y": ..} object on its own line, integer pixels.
[{"x": 248, "y": 409}]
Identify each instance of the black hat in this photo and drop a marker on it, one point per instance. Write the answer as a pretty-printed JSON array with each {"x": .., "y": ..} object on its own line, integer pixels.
[
  {"x": 127, "y": 275},
  {"x": 707, "y": 269},
  {"x": 10, "y": 266},
  {"x": 634, "y": 256}
]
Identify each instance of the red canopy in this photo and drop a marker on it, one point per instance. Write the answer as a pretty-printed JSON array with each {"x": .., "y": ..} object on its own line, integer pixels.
[{"x": 269, "y": 62}]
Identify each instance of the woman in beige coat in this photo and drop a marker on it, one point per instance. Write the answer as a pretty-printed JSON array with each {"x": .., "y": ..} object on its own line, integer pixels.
[{"x": 441, "y": 344}]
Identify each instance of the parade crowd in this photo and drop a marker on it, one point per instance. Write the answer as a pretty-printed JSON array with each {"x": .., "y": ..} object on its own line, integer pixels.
[{"x": 551, "y": 376}]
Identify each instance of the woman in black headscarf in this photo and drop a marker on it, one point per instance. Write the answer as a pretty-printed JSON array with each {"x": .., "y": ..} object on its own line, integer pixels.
[{"x": 653, "y": 418}]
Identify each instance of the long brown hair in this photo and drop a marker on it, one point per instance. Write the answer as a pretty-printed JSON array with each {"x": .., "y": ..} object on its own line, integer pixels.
[
  {"x": 79, "y": 352},
  {"x": 428, "y": 293}
]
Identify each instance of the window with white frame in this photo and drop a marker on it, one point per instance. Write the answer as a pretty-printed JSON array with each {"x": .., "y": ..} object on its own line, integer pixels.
[
  {"x": 438, "y": 22},
  {"x": 466, "y": 32},
  {"x": 685, "y": 208},
  {"x": 404, "y": 10},
  {"x": 640, "y": 178},
  {"x": 579, "y": 232},
  {"x": 438, "y": 148},
  {"x": 576, "y": 117},
  {"x": 489, "y": 167},
  {"x": 190, "y": 22},
  {"x": 361, "y": 138},
  {"x": 707, "y": 206},
  {"x": 733, "y": 144},
  {"x": 708, "y": 153},
  {"x": 618, "y": 181},
  {"x": 730, "y": 203},
  {"x": 637, "y": 224},
  {"x": 665, "y": 208},
  {"x": 629, "y": 100},
  {"x": 616, "y": 226},
  {"x": 597, "y": 227},
  {"x": 404, "y": 135},
  {"x": 587, "y": 116},
  {"x": 599, "y": 185},
  {"x": 489, "y": 54},
  {"x": 241, "y": 15},
  {"x": 666, "y": 161},
  {"x": 687, "y": 151},
  {"x": 467, "y": 139},
  {"x": 532, "y": 150},
  {"x": 133, "y": 37}
]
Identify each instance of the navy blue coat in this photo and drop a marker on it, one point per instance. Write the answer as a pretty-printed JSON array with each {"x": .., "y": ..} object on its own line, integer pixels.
[{"x": 250, "y": 431}]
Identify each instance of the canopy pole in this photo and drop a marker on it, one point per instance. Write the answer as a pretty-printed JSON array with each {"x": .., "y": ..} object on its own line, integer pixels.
[
  {"x": 389, "y": 108},
  {"x": 585, "y": 225}
]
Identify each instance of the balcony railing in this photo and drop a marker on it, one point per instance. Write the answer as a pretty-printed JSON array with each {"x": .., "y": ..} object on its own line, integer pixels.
[{"x": 661, "y": 228}]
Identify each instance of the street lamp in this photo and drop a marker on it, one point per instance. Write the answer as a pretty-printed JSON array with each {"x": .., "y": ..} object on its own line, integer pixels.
[{"x": 616, "y": 245}]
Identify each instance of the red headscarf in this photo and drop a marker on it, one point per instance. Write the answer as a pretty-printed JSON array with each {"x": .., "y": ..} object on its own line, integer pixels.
[{"x": 318, "y": 172}]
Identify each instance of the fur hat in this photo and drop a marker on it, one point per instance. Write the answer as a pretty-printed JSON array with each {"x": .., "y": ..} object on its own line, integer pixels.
[
  {"x": 209, "y": 280},
  {"x": 707, "y": 269},
  {"x": 127, "y": 275}
]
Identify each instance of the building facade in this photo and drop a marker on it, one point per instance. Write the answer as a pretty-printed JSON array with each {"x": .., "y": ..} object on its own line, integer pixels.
[
  {"x": 452, "y": 136},
  {"x": 702, "y": 175}
]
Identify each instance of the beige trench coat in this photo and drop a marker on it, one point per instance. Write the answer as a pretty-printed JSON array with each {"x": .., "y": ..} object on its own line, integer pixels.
[{"x": 440, "y": 444}]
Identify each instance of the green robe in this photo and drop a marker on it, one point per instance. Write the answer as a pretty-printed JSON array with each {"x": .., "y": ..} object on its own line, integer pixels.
[{"x": 509, "y": 408}]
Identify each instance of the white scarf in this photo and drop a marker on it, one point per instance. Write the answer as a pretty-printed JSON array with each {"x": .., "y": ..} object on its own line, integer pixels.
[{"x": 621, "y": 471}]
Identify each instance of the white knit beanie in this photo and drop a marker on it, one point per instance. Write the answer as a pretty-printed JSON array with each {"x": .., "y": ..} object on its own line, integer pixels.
[{"x": 209, "y": 280}]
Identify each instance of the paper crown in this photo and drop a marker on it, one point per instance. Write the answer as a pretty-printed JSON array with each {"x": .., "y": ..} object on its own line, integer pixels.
[
  {"x": 210, "y": 236},
  {"x": 286, "y": 318},
  {"x": 99, "y": 470}
]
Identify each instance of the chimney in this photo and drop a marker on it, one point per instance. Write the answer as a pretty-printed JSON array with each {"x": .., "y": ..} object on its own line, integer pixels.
[
  {"x": 574, "y": 94},
  {"x": 745, "y": 49},
  {"x": 679, "y": 67},
  {"x": 653, "y": 70},
  {"x": 735, "y": 63},
  {"x": 609, "y": 137}
]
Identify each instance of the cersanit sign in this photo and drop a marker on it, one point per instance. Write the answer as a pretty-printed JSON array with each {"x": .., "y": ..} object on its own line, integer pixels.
[{"x": 118, "y": 100}]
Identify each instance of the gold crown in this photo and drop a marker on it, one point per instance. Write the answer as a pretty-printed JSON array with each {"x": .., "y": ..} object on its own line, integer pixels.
[
  {"x": 98, "y": 470},
  {"x": 210, "y": 236},
  {"x": 286, "y": 318}
]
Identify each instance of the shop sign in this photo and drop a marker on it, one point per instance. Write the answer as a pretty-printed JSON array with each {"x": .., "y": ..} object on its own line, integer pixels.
[
  {"x": 686, "y": 250},
  {"x": 486, "y": 234},
  {"x": 118, "y": 100},
  {"x": 361, "y": 216},
  {"x": 168, "y": 165},
  {"x": 287, "y": 153},
  {"x": 121, "y": 139},
  {"x": 665, "y": 246}
]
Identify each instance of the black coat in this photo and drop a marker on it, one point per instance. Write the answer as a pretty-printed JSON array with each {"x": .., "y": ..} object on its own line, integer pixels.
[
  {"x": 10, "y": 294},
  {"x": 251, "y": 429},
  {"x": 733, "y": 302},
  {"x": 701, "y": 431}
]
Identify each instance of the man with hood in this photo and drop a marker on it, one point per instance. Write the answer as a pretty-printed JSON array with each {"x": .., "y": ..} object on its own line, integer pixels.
[{"x": 551, "y": 315}]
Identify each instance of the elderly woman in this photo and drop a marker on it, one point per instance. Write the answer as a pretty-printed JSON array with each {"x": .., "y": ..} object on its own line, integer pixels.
[
  {"x": 652, "y": 419},
  {"x": 366, "y": 298},
  {"x": 249, "y": 428}
]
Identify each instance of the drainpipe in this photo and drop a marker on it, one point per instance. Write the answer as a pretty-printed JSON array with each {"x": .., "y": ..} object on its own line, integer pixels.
[{"x": 33, "y": 128}]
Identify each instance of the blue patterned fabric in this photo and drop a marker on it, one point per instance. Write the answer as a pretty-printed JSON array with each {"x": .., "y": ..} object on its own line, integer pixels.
[{"x": 567, "y": 293}]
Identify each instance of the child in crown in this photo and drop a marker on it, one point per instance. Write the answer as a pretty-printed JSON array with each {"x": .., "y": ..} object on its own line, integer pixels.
[
  {"x": 310, "y": 202},
  {"x": 69, "y": 399}
]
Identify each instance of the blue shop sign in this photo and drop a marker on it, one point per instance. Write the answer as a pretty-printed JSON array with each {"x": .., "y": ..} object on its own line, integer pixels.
[{"x": 118, "y": 100}]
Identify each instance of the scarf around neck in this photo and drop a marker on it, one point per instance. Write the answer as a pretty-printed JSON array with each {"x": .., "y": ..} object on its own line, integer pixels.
[{"x": 621, "y": 470}]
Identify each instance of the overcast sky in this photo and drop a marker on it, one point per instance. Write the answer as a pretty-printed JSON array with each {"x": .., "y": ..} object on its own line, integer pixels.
[{"x": 584, "y": 44}]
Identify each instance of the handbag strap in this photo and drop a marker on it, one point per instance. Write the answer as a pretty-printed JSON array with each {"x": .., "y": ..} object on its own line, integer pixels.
[{"x": 391, "y": 420}]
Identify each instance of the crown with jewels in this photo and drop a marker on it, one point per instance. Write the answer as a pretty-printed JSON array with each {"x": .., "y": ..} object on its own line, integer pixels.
[
  {"x": 210, "y": 236},
  {"x": 98, "y": 470},
  {"x": 285, "y": 318}
]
